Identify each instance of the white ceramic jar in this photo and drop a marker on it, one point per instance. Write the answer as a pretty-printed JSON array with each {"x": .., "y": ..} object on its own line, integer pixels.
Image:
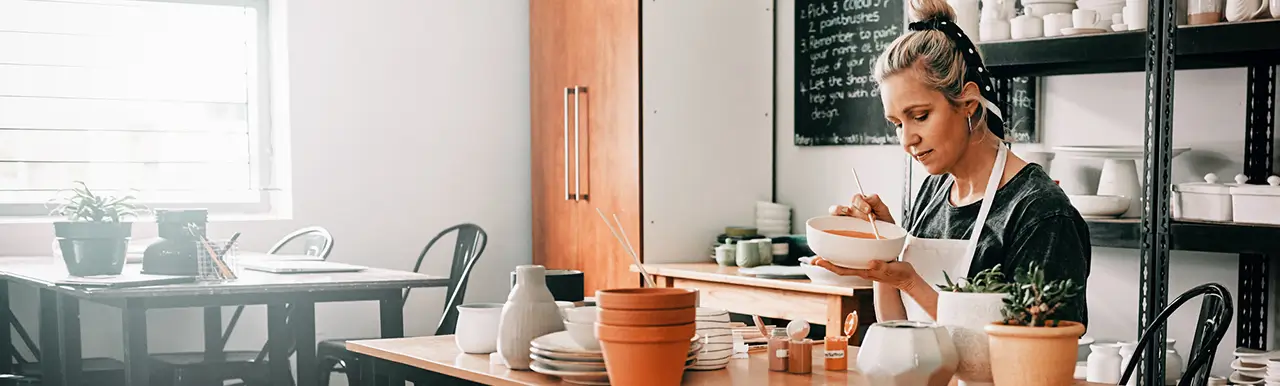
[
  {"x": 477, "y": 331},
  {"x": 1103, "y": 365},
  {"x": 907, "y": 353},
  {"x": 1256, "y": 204},
  {"x": 1127, "y": 349},
  {"x": 530, "y": 312},
  {"x": 964, "y": 315},
  {"x": 1208, "y": 200}
]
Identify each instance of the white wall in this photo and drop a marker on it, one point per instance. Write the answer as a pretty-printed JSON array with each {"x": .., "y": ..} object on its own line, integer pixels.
[
  {"x": 1076, "y": 110},
  {"x": 707, "y": 106},
  {"x": 407, "y": 116}
]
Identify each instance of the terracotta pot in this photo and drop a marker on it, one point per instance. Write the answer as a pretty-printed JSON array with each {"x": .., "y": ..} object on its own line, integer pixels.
[
  {"x": 645, "y": 355},
  {"x": 641, "y": 318},
  {"x": 646, "y": 298},
  {"x": 1034, "y": 355}
]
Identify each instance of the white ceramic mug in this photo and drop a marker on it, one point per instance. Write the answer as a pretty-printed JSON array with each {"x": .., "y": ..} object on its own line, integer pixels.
[
  {"x": 993, "y": 30},
  {"x": 1055, "y": 23},
  {"x": 1084, "y": 18},
  {"x": 1027, "y": 26},
  {"x": 477, "y": 328},
  {"x": 1136, "y": 17}
]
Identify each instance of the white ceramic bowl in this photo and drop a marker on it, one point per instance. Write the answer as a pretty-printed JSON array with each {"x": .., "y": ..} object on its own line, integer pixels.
[
  {"x": 584, "y": 334},
  {"x": 580, "y": 314},
  {"x": 760, "y": 205},
  {"x": 477, "y": 331},
  {"x": 1045, "y": 9},
  {"x": 821, "y": 275},
  {"x": 853, "y": 252},
  {"x": 1099, "y": 206}
]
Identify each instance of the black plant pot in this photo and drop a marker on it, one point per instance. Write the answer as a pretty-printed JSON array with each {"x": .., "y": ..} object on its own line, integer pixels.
[{"x": 91, "y": 248}]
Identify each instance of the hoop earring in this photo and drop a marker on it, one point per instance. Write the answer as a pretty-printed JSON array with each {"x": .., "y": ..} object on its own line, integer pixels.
[{"x": 969, "y": 120}]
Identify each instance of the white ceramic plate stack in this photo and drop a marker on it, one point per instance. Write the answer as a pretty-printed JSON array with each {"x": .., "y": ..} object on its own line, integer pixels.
[
  {"x": 717, "y": 348},
  {"x": 773, "y": 220},
  {"x": 1040, "y": 8},
  {"x": 556, "y": 354},
  {"x": 1273, "y": 372},
  {"x": 1253, "y": 367}
]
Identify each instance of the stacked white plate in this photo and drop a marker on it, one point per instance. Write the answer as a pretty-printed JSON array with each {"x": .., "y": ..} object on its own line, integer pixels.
[
  {"x": 772, "y": 219},
  {"x": 1040, "y": 8},
  {"x": 717, "y": 348},
  {"x": 1255, "y": 367},
  {"x": 557, "y": 355},
  {"x": 1273, "y": 372}
]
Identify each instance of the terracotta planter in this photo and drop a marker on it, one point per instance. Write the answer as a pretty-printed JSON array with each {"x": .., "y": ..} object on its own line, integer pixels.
[
  {"x": 645, "y": 355},
  {"x": 1043, "y": 356},
  {"x": 965, "y": 315},
  {"x": 640, "y": 318},
  {"x": 646, "y": 298}
]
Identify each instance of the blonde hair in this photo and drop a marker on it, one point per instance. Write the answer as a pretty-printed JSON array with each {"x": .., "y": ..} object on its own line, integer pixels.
[{"x": 931, "y": 54}]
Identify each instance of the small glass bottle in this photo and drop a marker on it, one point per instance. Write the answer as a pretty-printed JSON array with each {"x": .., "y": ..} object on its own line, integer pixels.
[
  {"x": 801, "y": 358},
  {"x": 778, "y": 349},
  {"x": 836, "y": 348}
]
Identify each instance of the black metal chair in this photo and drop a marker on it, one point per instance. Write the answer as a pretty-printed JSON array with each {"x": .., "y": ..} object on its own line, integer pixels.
[
  {"x": 1215, "y": 319},
  {"x": 102, "y": 371},
  {"x": 470, "y": 244},
  {"x": 250, "y": 367}
]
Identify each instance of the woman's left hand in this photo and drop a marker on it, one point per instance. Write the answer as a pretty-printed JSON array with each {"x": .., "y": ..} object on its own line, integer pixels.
[{"x": 899, "y": 274}]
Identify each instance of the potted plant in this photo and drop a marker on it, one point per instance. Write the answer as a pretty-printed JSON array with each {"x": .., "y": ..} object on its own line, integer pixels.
[
  {"x": 965, "y": 307},
  {"x": 1031, "y": 346},
  {"x": 94, "y": 238}
]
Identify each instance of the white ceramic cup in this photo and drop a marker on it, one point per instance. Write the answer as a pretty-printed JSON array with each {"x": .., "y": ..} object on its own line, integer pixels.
[
  {"x": 1026, "y": 27},
  {"x": 1055, "y": 23},
  {"x": 477, "y": 330},
  {"x": 1084, "y": 18}
]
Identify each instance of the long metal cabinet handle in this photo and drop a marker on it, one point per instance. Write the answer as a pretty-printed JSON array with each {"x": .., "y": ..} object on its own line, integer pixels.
[
  {"x": 577, "y": 156},
  {"x": 567, "y": 91}
]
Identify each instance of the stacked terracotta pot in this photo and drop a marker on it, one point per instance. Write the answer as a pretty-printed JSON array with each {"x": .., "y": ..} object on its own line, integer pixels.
[{"x": 645, "y": 333}]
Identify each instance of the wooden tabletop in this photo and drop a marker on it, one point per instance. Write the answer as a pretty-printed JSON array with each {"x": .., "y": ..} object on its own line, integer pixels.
[
  {"x": 46, "y": 272},
  {"x": 729, "y": 275},
  {"x": 440, "y": 355}
]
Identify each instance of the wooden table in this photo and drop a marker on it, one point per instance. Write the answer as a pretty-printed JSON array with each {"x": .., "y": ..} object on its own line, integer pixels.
[
  {"x": 60, "y": 307},
  {"x": 791, "y": 299},
  {"x": 436, "y": 359}
]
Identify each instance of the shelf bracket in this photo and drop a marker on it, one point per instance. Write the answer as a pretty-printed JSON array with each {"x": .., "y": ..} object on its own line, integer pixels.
[{"x": 1259, "y": 147}]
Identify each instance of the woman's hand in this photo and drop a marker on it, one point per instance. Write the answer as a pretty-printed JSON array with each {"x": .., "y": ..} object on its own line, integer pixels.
[
  {"x": 899, "y": 274},
  {"x": 860, "y": 206}
]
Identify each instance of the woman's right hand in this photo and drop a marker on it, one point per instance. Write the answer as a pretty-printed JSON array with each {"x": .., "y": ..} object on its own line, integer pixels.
[{"x": 861, "y": 206}]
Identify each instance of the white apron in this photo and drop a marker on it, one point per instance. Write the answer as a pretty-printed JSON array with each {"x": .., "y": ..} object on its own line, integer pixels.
[{"x": 930, "y": 257}]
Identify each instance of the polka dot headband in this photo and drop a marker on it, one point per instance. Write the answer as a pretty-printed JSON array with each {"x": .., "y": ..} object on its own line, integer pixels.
[{"x": 974, "y": 70}]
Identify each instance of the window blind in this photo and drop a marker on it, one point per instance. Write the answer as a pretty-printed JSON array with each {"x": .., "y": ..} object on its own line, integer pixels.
[{"x": 161, "y": 98}]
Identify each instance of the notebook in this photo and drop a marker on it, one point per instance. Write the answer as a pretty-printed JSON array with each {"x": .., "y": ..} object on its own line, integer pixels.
[
  {"x": 123, "y": 281},
  {"x": 295, "y": 266}
]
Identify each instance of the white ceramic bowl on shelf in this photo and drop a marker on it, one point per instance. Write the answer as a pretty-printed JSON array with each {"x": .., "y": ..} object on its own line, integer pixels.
[
  {"x": 773, "y": 213},
  {"x": 584, "y": 334},
  {"x": 853, "y": 252},
  {"x": 1099, "y": 206}
]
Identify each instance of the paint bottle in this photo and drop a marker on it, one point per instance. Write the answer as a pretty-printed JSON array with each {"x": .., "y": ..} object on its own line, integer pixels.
[
  {"x": 800, "y": 360},
  {"x": 779, "y": 347},
  {"x": 836, "y": 349}
]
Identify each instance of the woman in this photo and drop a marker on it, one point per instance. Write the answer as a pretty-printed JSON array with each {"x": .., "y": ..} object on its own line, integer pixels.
[{"x": 937, "y": 93}]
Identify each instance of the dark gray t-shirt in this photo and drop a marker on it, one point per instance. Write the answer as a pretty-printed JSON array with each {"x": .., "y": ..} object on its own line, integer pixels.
[{"x": 1031, "y": 220}]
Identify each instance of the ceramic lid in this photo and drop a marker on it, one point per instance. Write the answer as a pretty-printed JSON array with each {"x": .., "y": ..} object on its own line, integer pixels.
[
  {"x": 1271, "y": 189},
  {"x": 1209, "y": 186}
]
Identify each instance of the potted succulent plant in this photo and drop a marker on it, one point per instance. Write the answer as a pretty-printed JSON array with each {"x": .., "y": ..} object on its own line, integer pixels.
[
  {"x": 1031, "y": 346},
  {"x": 965, "y": 307},
  {"x": 95, "y": 236}
]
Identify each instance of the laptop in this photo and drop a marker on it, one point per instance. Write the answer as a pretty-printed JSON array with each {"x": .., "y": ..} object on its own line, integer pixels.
[
  {"x": 277, "y": 256},
  {"x": 297, "y": 266}
]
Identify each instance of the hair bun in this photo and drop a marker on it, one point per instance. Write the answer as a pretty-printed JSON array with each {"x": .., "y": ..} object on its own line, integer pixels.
[{"x": 931, "y": 9}]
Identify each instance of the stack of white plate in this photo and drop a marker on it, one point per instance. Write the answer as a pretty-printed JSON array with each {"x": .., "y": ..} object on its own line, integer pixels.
[
  {"x": 556, "y": 354},
  {"x": 713, "y": 326},
  {"x": 772, "y": 219},
  {"x": 1040, "y": 8},
  {"x": 1254, "y": 367}
]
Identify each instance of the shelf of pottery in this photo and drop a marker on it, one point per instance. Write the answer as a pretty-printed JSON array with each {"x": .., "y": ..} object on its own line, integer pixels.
[{"x": 997, "y": 20}]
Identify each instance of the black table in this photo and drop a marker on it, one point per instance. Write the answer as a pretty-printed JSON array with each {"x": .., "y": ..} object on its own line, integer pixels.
[{"x": 60, "y": 347}]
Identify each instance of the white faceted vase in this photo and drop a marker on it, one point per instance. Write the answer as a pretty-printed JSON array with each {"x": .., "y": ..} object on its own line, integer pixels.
[
  {"x": 907, "y": 353},
  {"x": 964, "y": 315}
]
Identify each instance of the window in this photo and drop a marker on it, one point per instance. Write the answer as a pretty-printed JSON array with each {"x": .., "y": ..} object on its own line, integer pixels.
[{"x": 166, "y": 100}]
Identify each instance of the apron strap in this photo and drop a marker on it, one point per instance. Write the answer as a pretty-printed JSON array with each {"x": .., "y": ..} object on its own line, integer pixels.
[{"x": 988, "y": 197}]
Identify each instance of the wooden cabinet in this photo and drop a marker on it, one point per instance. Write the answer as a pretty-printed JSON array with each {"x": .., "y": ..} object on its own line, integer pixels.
[
  {"x": 707, "y": 66},
  {"x": 585, "y": 95}
]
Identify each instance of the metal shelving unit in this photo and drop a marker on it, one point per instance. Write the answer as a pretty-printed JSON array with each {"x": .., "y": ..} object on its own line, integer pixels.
[{"x": 1158, "y": 51}]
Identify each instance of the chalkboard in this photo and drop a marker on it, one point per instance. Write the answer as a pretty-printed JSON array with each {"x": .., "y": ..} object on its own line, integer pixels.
[
  {"x": 837, "y": 102},
  {"x": 837, "y": 42}
]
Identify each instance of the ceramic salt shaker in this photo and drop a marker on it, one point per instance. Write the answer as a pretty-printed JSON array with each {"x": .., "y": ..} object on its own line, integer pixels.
[
  {"x": 530, "y": 312},
  {"x": 1104, "y": 363}
]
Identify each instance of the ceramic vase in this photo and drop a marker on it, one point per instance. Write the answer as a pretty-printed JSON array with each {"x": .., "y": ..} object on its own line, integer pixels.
[
  {"x": 1103, "y": 365},
  {"x": 907, "y": 353},
  {"x": 713, "y": 327},
  {"x": 530, "y": 312},
  {"x": 477, "y": 331},
  {"x": 1126, "y": 353},
  {"x": 964, "y": 315},
  {"x": 1044, "y": 356},
  {"x": 1120, "y": 178}
]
